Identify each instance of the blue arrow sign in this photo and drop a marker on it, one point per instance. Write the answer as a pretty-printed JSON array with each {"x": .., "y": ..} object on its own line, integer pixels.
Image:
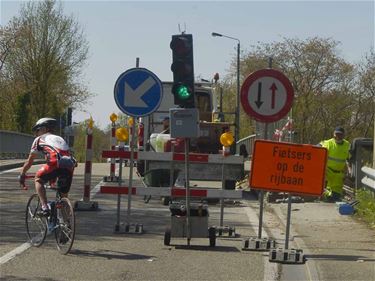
[{"x": 138, "y": 92}]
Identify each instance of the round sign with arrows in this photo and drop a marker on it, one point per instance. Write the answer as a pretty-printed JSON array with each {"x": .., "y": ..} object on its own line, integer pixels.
[
  {"x": 138, "y": 92},
  {"x": 267, "y": 95}
]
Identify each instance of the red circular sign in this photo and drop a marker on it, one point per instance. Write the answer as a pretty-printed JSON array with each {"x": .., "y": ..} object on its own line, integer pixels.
[{"x": 267, "y": 95}]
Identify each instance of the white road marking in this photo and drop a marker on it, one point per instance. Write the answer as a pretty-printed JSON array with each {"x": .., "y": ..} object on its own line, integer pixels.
[
  {"x": 270, "y": 271},
  {"x": 310, "y": 265},
  {"x": 7, "y": 171},
  {"x": 95, "y": 190},
  {"x": 20, "y": 249}
]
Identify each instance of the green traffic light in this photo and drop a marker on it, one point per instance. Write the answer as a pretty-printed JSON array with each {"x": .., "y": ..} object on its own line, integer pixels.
[{"x": 183, "y": 92}]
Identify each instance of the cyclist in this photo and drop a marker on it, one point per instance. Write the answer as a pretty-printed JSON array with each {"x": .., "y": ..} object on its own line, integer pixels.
[{"x": 59, "y": 163}]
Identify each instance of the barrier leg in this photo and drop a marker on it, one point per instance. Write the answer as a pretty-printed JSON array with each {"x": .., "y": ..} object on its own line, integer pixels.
[
  {"x": 286, "y": 255},
  {"x": 222, "y": 230},
  {"x": 112, "y": 170}
]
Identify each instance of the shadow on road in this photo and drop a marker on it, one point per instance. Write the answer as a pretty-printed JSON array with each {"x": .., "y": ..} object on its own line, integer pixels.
[
  {"x": 17, "y": 278},
  {"x": 338, "y": 257},
  {"x": 110, "y": 255},
  {"x": 206, "y": 248}
]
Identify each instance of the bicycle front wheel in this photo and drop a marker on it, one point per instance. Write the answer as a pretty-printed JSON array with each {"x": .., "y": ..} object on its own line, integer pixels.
[
  {"x": 36, "y": 223},
  {"x": 65, "y": 228}
]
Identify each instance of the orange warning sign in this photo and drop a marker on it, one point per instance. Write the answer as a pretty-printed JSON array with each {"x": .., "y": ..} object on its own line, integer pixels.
[{"x": 286, "y": 167}]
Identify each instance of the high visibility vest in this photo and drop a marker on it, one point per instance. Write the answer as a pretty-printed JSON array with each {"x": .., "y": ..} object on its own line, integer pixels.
[{"x": 337, "y": 154}]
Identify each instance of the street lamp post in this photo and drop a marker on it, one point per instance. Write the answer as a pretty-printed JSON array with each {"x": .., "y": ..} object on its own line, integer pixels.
[{"x": 237, "y": 113}]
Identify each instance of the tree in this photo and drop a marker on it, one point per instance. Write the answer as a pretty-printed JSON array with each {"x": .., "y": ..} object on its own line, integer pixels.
[
  {"x": 8, "y": 38},
  {"x": 362, "y": 121},
  {"x": 21, "y": 110},
  {"x": 328, "y": 90},
  {"x": 45, "y": 60}
]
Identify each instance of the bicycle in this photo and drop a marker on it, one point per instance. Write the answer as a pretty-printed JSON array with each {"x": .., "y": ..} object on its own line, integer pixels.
[{"x": 61, "y": 220}]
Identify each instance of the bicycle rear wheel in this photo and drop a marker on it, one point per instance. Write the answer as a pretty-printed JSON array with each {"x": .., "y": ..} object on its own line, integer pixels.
[
  {"x": 36, "y": 224},
  {"x": 65, "y": 228}
]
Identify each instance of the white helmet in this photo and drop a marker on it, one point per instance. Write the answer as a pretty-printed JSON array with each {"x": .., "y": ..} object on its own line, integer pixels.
[{"x": 47, "y": 122}]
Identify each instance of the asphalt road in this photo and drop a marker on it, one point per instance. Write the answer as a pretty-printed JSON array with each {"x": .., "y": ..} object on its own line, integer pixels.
[
  {"x": 101, "y": 254},
  {"x": 337, "y": 247}
]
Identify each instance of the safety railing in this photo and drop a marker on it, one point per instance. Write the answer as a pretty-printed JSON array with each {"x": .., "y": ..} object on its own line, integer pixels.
[
  {"x": 247, "y": 143},
  {"x": 14, "y": 145},
  {"x": 369, "y": 179}
]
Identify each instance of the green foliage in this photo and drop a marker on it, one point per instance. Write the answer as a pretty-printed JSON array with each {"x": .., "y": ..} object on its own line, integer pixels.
[
  {"x": 366, "y": 207},
  {"x": 329, "y": 91},
  {"x": 229, "y": 101},
  {"x": 101, "y": 141},
  {"x": 45, "y": 52},
  {"x": 21, "y": 112}
]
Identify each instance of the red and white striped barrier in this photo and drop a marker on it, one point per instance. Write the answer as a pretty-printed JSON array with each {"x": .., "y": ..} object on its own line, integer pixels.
[
  {"x": 226, "y": 151},
  {"x": 141, "y": 132},
  {"x": 206, "y": 166},
  {"x": 88, "y": 166},
  {"x": 113, "y": 147},
  {"x": 278, "y": 134},
  {"x": 85, "y": 203},
  {"x": 174, "y": 192},
  {"x": 170, "y": 156}
]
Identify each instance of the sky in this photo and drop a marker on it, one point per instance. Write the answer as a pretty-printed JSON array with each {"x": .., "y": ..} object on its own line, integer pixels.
[{"x": 118, "y": 32}]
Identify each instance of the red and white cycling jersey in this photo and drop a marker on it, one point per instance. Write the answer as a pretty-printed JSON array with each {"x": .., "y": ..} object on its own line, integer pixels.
[{"x": 50, "y": 145}]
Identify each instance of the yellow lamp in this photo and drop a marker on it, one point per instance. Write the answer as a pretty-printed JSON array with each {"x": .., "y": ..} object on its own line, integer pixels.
[
  {"x": 122, "y": 134},
  {"x": 226, "y": 139},
  {"x": 90, "y": 123},
  {"x": 113, "y": 117},
  {"x": 130, "y": 122}
]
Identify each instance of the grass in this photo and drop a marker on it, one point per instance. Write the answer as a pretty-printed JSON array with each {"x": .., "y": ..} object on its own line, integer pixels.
[{"x": 366, "y": 206}]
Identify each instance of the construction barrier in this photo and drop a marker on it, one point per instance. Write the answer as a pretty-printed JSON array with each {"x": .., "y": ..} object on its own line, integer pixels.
[
  {"x": 234, "y": 165},
  {"x": 85, "y": 203},
  {"x": 175, "y": 192},
  {"x": 113, "y": 147},
  {"x": 174, "y": 156},
  {"x": 109, "y": 186},
  {"x": 88, "y": 166}
]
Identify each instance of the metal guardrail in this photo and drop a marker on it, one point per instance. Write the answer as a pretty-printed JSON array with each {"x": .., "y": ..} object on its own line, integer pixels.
[
  {"x": 14, "y": 145},
  {"x": 248, "y": 143},
  {"x": 369, "y": 179}
]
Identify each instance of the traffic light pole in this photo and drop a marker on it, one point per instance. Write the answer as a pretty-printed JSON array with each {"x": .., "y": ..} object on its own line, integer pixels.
[
  {"x": 237, "y": 116},
  {"x": 187, "y": 188},
  {"x": 237, "y": 112}
]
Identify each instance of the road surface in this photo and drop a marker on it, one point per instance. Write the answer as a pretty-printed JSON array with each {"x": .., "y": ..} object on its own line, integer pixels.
[{"x": 336, "y": 247}]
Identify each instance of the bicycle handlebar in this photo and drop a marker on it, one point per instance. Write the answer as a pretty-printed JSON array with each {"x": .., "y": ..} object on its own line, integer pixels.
[
  {"x": 27, "y": 176},
  {"x": 46, "y": 185}
]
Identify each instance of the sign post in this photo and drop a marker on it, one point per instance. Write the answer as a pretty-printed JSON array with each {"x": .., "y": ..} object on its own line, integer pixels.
[
  {"x": 293, "y": 168},
  {"x": 267, "y": 96},
  {"x": 184, "y": 124},
  {"x": 226, "y": 140},
  {"x": 138, "y": 92}
]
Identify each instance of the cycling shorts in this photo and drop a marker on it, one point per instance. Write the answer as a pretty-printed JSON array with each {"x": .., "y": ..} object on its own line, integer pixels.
[{"x": 50, "y": 173}]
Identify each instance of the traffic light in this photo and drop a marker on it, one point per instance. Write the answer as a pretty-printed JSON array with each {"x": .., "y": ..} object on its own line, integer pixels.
[{"x": 183, "y": 70}]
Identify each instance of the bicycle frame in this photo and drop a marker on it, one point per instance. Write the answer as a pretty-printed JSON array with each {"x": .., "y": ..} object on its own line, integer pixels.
[{"x": 62, "y": 217}]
